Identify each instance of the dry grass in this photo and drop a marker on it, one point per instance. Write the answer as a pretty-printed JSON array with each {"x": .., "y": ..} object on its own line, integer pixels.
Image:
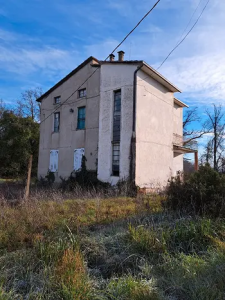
[{"x": 107, "y": 249}]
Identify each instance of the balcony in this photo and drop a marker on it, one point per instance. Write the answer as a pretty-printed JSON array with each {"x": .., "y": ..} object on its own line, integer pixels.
[
  {"x": 181, "y": 146},
  {"x": 180, "y": 142}
]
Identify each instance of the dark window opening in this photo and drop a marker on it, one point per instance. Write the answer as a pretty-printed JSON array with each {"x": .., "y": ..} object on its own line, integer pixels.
[
  {"x": 57, "y": 100},
  {"x": 56, "y": 121},
  {"x": 116, "y": 159},
  {"x": 81, "y": 117},
  {"x": 82, "y": 93}
]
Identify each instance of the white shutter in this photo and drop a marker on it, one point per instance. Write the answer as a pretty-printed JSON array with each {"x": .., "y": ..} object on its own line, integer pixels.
[
  {"x": 78, "y": 154},
  {"x": 53, "y": 166}
]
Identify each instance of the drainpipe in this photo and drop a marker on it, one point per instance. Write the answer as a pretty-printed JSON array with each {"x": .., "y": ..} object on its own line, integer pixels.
[
  {"x": 133, "y": 138},
  {"x": 135, "y": 97}
]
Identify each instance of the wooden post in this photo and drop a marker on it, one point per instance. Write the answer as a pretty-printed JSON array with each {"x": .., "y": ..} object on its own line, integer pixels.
[
  {"x": 196, "y": 161},
  {"x": 27, "y": 192}
]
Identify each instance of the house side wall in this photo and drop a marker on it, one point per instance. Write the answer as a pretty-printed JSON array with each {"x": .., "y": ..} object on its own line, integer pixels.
[
  {"x": 69, "y": 138},
  {"x": 154, "y": 133},
  {"x": 114, "y": 77},
  {"x": 178, "y": 163}
]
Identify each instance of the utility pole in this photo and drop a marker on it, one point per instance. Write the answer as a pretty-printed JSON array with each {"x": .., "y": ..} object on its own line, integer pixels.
[{"x": 27, "y": 191}]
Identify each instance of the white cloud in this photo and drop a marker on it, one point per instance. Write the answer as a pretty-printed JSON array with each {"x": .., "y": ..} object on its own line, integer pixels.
[{"x": 26, "y": 61}]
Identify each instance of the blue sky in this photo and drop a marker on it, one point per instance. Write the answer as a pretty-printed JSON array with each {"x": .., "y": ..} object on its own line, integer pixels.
[{"x": 41, "y": 41}]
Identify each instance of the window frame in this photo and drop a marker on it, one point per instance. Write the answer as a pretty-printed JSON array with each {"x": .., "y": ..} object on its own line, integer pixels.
[
  {"x": 54, "y": 122},
  {"x": 84, "y": 91},
  {"x": 80, "y": 119},
  {"x": 116, "y": 134},
  {"x": 116, "y": 162},
  {"x": 57, "y": 97}
]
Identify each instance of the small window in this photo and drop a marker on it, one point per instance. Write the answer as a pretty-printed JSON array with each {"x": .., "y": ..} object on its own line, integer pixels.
[
  {"x": 57, "y": 100},
  {"x": 53, "y": 165},
  {"x": 116, "y": 159},
  {"x": 81, "y": 118},
  {"x": 56, "y": 121},
  {"x": 82, "y": 93}
]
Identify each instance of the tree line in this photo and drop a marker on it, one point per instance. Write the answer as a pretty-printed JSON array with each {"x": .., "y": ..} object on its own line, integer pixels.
[{"x": 19, "y": 135}]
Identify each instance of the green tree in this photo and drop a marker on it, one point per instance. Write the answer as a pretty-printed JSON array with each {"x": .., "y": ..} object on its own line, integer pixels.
[{"x": 19, "y": 138}]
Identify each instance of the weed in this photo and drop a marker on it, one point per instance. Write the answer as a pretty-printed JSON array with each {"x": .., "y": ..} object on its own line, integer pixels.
[{"x": 131, "y": 288}]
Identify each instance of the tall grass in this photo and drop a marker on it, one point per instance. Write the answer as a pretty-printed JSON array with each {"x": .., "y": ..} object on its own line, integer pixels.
[{"x": 106, "y": 249}]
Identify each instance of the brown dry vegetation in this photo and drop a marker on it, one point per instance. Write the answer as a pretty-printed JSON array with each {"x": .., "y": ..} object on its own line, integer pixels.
[{"x": 108, "y": 248}]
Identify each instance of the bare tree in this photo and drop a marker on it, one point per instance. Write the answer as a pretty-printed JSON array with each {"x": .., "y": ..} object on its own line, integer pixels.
[
  {"x": 215, "y": 124},
  {"x": 207, "y": 155},
  {"x": 27, "y": 106},
  {"x": 190, "y": 134}
]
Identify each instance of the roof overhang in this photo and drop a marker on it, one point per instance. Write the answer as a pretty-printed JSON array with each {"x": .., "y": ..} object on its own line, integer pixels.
[
  {"x": 183, "y": 150},
  {"x": 158, "y": 77},
  {"x": 180, "y": 103}
]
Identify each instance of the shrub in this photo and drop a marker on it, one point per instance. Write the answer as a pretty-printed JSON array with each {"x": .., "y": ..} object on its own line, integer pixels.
[
  {"x": 203, "y": 193},
  {"x": 83, "y": 178}
]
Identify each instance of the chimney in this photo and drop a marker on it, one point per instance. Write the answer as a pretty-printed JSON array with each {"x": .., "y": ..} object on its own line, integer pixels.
[
  {"x": 121, "y": 55},
  {"x": 111, "y": 57}
]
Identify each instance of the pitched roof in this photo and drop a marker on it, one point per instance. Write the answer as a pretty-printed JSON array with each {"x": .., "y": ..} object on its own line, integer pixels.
[
  {"x": 149, "y": 71},
  {"x": 144, "y": 66},
  {"x": 91, "y": 58}
]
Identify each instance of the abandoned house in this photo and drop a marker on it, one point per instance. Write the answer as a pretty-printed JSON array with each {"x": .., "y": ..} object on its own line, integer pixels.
[{"x": 125, "y": 119}]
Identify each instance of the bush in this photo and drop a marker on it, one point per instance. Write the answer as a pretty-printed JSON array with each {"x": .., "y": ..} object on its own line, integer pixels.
[
  {"x": 82, "y": 178},
  {"x": 203, "y": 193}
]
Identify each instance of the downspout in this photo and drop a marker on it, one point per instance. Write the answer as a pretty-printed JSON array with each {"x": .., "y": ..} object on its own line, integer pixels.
[{"x": 133, "y": 138}]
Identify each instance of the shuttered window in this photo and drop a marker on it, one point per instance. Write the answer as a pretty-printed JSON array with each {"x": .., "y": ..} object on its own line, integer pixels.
[
  {"x": 53, "y": 165},
  {"x": 78, "y": 154}
]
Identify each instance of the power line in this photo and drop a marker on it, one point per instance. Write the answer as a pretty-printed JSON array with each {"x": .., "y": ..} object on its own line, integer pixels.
[
  {"x": 190, "y": 19},
  {"x": 184, "y": 36},
  {"x": 145, "y": 16}
]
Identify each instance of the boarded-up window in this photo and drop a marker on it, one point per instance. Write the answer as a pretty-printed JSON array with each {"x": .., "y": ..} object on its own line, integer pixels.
[
  {"x": 53, "y": 165},
  {"x": 78, "y": 154}
]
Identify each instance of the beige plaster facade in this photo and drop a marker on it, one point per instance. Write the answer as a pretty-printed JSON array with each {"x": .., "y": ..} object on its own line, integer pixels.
[
  {"x": 69, "y": 137},
  {"x": 150, "y": 116}
]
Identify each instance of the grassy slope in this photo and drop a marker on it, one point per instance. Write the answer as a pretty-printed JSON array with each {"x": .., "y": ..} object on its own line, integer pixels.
[{"x": 109, "y": 249}]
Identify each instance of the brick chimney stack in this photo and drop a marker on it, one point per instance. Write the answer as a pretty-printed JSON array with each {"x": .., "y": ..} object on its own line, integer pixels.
[
  {"x": 121, "y": 55},
  {"x": 111, "y": 57}
]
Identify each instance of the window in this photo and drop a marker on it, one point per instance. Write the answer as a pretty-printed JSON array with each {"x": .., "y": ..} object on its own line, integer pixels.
[
  {"x": 56, "y": 121},
  {"x": 57, "y": 100},
  {"x": 82, "y": 93},
  {"x": 81, "y": 118},
  {"x": 116, "y": 116},
  {"x": 116, "y": 159},
  {"x": 53, "y": 165},
  {"x": 116, "y": 134},
  {"x": 78, "y": 155}
]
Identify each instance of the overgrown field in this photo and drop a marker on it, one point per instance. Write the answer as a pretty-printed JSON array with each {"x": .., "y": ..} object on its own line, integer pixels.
[{"x": 114, "y": 248}]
